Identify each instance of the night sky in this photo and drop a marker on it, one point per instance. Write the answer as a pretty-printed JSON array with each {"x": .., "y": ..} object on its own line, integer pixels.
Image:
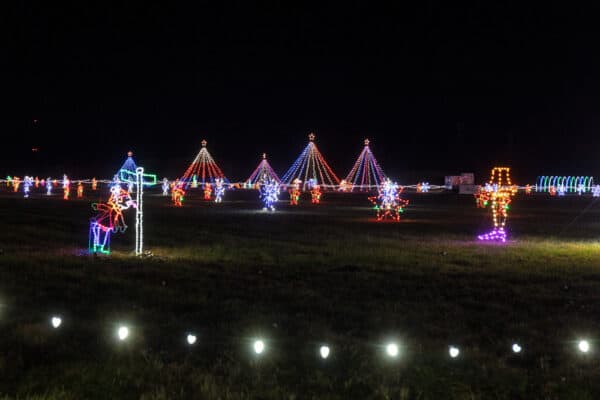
[{"x": 439, "y": 89}]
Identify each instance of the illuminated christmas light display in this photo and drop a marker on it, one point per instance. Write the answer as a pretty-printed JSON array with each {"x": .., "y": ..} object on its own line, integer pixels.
[
  {"x": 165, "y": 187},
  {"x": 269, "y": 194},
  {"x": 295, "y": 192},
  {"x": 9, "y": 180},
  {"x": 48, "y": 186},
  {"x": 527, "y": 189},
  {"x": 580, "y": 189},
  {"x": 16, "y": 182},
  {"x": 27, "y": 183},
  {"x": 344, "y": 186},
  {"x": 204, "y": 168},
  {"x": 207, "y": 191},
  {"x": 79, "y": 190},
  {"x": 596, "y": 191},
  {"x": 561, "y": 190},
  {"x": 37, "y": 182},
  {"x": 109, "y": 219},
  {"x": 366, "y": 174},
  {"x": 315, "y": 194},
  {"x": 311, "y": 165},
  {"x": 552, "y": 190},
  {"x": 139, "y": 179},
  {"x": 219, "y": 190},
  {"x": 177, "y": 194},
  {"x": 194, "y": 182},
  {"x": 423, "y": 187},
  {"x": 263, "y": 172},
  {"x": 66, "y": 187},
  {"x": 571, "y": 183},
  {"x": 497, "y": 194},
  {"x": 388, "y": 203},
  {"x": 94, "y": 184}
]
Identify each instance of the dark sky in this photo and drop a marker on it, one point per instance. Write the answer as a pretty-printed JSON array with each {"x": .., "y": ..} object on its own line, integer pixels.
[{"x": 438, "y": 88}]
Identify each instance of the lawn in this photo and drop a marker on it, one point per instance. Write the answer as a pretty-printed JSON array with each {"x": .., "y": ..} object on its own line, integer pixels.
[{"x": 298, "y": 278}]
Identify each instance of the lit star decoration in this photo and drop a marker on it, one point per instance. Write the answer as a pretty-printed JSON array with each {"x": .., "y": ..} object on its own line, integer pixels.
[
  {"x": 423, "y": 187},
  {"x": 219, "y": 190},
  {"x": 295, "y": 192},
  {"x": 366, "y": 174},
  {"x": 497, "y": 193},
  {"x": 388, "y": 203},
  {"x": 263, "y": 172},
  {"x": 269, "y": 194},
  {"x": 109, "y": 219},
  {"x": 204, "y": 168},
  {"x": 311, "y": 165}
]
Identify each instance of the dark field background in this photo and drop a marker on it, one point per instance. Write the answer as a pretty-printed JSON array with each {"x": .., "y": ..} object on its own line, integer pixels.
[{"x": 301, "y": 277}]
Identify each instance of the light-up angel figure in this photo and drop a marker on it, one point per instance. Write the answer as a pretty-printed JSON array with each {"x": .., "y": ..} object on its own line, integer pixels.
[
  {"x": 109, "y": 219},
  {"x": 295, "y": 192},
  {"x": 497, "y": 194},
  {"x": 177, "y": 193},
  {"x": 207, "y": 191},
  {"x": 269, "y": 194},
  {"x": 219, "y": 190},
  {"x": 48, "y": 186},
  {"x": 388, "y": 203},
  {"x": 79, "y": 190},
  {"x": 165, "y": 187},
  {"x": 27, "y": 183},
  {"x": 94, "y": 184}
]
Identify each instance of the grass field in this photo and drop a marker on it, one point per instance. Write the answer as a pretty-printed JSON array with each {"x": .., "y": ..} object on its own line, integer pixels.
[{"x": 301, "y": 277}]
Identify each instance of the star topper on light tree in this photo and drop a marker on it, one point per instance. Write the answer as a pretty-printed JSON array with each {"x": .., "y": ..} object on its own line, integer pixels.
[{"x": 497, "y": 194}]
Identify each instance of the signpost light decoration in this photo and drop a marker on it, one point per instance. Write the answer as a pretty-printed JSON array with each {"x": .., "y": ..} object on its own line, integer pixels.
[
  {"x": 139, "y": 179},
  {"x": 269, "y": 193},
  {"x": 311, "y": 165},
  {"x": 388, "y": 203},
  {"x": 497, "y": 194},
  {"x": 366, "y": 174}
]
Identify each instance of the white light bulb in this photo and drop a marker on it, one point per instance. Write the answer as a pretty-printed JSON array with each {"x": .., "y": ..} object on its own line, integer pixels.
[
  {"x": 392, "y": 349},
  {"x": 191, "y": 339},
  {"x": 453, "y": 351},
  {"x": 259, "y": 346},
  {"x": 584, "y": 346},
  {"x": 56, "y": 322},
  {"x": 324, "y": 351},
  {"x": 516, "y": 348},
  {"x": 123, "y": 332}
]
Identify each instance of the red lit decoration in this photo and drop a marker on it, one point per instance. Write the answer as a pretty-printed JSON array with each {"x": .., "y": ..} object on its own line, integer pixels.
[
  {"x": 315, "y": 194},
  {"x": 177, "y": 194},
  {"x": 207, "y": 191},
  {"x": 203, "y": 168},
  {"x": 79, "y": 190},
  {"x": 94, "y": 184},
  {"x": 295, "y": 192}
]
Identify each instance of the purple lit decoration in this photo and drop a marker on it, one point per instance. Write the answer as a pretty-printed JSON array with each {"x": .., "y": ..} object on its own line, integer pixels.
[
  {"x": 269, "y": 194},
  {"x": 219, "y": 190},
  {"x": 366, "y": 174},
  {"x": 496, "y": 235},
  {"x": 262, "y": 174},
  {"x": 27, "y": 182}
]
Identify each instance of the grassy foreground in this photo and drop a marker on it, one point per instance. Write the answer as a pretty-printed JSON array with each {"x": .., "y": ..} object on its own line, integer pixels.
[{"x": 298, "y": 278}]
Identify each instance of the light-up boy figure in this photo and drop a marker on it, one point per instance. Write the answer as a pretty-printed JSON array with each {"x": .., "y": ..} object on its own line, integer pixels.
[
  {"x": 497, "y": 194},
  {"x": 109, "y": 219}
]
